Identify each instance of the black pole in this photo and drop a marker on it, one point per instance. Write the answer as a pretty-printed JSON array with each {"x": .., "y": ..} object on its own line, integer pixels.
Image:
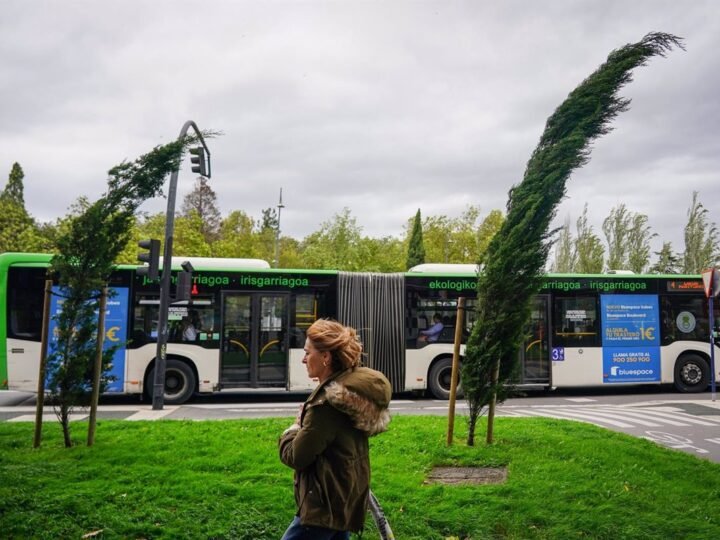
[{"x": 161, "y": 353}]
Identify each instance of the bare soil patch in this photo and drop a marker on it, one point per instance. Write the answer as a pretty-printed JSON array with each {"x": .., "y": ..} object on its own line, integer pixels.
[{"x": 467, "y": 475}]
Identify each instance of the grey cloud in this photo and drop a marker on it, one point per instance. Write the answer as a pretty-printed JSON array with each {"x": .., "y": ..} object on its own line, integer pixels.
[{"x": 380, "y": 107}]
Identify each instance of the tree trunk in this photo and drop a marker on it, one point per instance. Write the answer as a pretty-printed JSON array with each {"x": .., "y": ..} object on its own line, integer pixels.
[
  {"x": 65, "y": 421},
  {"x": 493, "y": 402},
  {"x": 472, "y": 424}
]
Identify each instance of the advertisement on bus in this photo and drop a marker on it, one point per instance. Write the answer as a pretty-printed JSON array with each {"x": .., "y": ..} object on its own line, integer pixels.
[
  {"x": 116, "y": 316},
  {"x": 630, "y": 338}
]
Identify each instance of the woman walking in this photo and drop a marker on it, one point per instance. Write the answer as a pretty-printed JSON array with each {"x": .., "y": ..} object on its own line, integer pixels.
[{"x": 327, "y": 446}]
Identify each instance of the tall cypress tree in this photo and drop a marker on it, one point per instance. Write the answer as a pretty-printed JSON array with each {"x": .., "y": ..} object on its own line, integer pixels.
[
  {"x": 14, "y": 190},
  {"x": 416, "y": 249},
  {"x": 516, "y": 257}
]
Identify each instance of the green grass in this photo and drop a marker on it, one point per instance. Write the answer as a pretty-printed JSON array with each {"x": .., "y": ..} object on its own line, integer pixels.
[{"x": 223, "y": 479}]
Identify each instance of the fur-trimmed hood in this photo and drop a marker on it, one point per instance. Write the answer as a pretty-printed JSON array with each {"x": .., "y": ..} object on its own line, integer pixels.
[{"x": 364, "y": 395}]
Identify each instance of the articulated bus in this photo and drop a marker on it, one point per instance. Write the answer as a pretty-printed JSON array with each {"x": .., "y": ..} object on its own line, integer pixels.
[{"x": 585, "y": 330}]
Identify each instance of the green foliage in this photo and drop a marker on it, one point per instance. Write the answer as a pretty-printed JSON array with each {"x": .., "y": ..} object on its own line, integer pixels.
[
  {"x": 628, "y": 237},
  {"x": 14, "y": 190},
  {"x": 639, "y": 244},
  {"x": 565, "y": 253},
  {"x": 488, "y": 229},
  {"x": 382, "y": 254},
  {"x": 517, "y": 255},
  {"x": 667, "y": 261},
  {"x": 18, "y": 231},
  {"x": 701, "y": 239},
  {"x": 88, "y": 245},
  {"x": 182, "y": 479},
  {"x": 416, "y": 249},
  {"x": 336, "y": 245},
  {"x": 589, "y": 248},
  {"x": 236, "y": 237},
  {"x": 615, "y": 227},
  {"x": 461, "y": 239}
]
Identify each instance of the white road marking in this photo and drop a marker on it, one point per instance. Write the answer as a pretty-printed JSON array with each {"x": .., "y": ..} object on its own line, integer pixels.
[
  {"x": 643, "y": 418},
  {"x": 683, "y": 417},
  {"x": 580, "y": 417},
  {"x": 150, "y": 414},
  {"x": 46, "y": 418}
]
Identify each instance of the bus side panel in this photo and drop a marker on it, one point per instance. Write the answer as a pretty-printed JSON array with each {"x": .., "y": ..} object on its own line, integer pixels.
[
  {"x": 419, "y": 360},
  {"x": 205, "y": 362},
  {"x": 583, "y": 366},
  {"x": 135, "y": 365},
  {"x": 23, "y": 364}
]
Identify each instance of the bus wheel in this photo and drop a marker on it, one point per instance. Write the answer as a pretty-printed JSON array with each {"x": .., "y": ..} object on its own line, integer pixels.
[
  {"x": 692, "y": 374},
  {"x": 439, "y": 379},
  {"x": 179, "y": 382}
]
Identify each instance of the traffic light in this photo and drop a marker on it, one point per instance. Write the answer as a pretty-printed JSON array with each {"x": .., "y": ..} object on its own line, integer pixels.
[
  {"x": 184, "y": 283},
  {"x": 151, "y": 258},
  {"x": 198, "y": 161}
]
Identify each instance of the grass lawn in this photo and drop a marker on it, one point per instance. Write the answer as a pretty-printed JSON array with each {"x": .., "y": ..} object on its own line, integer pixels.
[{"x": 223, "y": 479}]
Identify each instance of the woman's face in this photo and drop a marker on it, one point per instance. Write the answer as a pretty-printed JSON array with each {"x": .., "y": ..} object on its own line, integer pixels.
[{"x": 317, "y": 363}]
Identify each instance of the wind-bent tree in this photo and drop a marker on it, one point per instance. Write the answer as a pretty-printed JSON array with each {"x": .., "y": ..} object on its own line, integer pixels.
[
  {"x": 701, "y": 239},
  {"x": 416, "y": 249},
  {"x": 589, "y": 248},
  {"x": 639, "y": 237},
  {"x": 628, "y": 237},
  {"x": 513, "y": 264},
  {"x": 565, "y": 254},
  {"x": 615, "y": 227},
  {"x": 87, "y": 249}
]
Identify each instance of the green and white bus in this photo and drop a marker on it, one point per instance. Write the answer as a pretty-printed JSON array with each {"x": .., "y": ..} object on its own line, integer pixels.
[{"x": 586, "y": 330}]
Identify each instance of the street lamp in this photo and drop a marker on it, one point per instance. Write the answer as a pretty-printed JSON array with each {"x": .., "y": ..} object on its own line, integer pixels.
[
  {"x": 162, "y": 338},
  {"x": 280, "y": 206}
]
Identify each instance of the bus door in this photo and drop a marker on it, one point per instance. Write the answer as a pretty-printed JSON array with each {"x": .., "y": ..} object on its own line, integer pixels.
[
  {"x": 254, "y": 351},
  {"x": 535, "y": 351}
]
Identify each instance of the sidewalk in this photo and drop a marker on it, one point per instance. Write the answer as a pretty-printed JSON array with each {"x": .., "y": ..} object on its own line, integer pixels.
[{"x": 11, "y": 398}]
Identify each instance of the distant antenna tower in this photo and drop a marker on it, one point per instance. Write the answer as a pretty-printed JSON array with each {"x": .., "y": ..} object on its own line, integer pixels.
[{"x": 280, "y": 206}]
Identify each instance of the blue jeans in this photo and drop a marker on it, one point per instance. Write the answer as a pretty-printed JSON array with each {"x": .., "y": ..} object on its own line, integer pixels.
[{"x": 296, "y": 531}]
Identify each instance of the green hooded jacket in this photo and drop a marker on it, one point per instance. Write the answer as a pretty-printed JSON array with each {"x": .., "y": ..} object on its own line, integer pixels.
[{"x": 329, "y": 448}]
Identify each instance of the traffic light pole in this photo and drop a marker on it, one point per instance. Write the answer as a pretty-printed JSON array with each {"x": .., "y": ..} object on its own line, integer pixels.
[{"x": 162, "y": 337}]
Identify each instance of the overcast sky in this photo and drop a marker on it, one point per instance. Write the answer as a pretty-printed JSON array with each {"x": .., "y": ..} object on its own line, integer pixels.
[{"x": 382, "y": 107}]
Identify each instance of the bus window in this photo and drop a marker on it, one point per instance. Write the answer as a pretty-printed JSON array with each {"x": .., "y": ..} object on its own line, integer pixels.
[
  {"x": 201, "y": 313},
  {"x": 423, "y": 306},
  {"x": 25, "y": 303},
  {"x": 575, "y": 322},
  {"x": 145, "y": 321},
  {"x": 307, "y": 309},
  {"x": 683, "y": 318}
]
